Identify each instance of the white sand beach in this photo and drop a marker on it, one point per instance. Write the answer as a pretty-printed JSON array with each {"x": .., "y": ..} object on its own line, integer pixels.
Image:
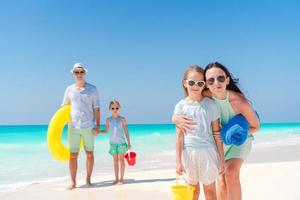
[{"x": 271, "y": 173}]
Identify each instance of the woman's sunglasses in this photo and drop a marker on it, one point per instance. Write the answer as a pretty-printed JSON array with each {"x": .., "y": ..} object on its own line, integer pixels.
[
  {"x": 212, "y": 80},
  {"x": 198, "y": 83},
  {"x": 115, "y": 108}
]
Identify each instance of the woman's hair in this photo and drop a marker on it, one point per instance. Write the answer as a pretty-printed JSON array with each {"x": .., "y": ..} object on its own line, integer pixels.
[
  {"x": 192, "y": 68},
  {"x": 114, "y": 102},
  {"x": 232, "y": 81}
]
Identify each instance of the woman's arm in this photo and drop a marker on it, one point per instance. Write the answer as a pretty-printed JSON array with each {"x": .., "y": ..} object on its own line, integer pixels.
[
  {"x": 216, "y": 128},
  {"x": 124, "y": 124},
  {"x": 106, "y": 127},
  {"x": 242, "y": 106},
  {"x": 183, "y": 122},
  {"x": 251, "y": 117}
]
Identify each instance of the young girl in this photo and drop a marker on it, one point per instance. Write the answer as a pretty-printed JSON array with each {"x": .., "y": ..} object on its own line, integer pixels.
[
  {"x": 118, "y": 146},
  {"x": 198, "y": 152}
]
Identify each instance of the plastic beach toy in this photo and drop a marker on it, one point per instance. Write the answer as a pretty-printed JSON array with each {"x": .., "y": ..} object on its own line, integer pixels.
[
  {"x": 182, "y": 192},
  {"x": 130, "y": 156}
]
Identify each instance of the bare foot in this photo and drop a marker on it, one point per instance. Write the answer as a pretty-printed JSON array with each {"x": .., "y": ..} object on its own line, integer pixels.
[
  {"x": 71, "y": 187},
  {"x": 115, "y": 182},
  {"x": 88, "y": 182},
  {"x": 121, "y": 182}
]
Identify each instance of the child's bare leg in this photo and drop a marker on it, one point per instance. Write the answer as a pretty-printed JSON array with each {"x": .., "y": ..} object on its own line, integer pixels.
[
  {"x": 210, "y": 191},
  {"x": 116, "y": 168},
  {"x": 122, "y": 164},
  {"x": 222, "y": 188},
  {"x": 196, "y": 192}
]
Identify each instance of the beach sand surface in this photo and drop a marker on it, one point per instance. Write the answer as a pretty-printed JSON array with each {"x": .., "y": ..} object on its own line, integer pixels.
[{"x": 271, "y": 173}]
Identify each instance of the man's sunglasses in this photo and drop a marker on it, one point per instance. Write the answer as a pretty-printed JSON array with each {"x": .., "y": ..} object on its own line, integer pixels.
[
  {"x": 212, "y": 80},
  {"x": 115, "y": 108},
  {"x": 198, "y": 83},
  {"x": 79, "y": 72}
]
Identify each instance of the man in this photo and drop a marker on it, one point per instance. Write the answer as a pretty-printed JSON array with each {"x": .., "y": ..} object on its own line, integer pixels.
[{"x": 85, "y": 110}]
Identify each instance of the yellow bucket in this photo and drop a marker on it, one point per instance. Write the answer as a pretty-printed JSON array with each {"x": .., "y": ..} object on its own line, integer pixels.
[{"x": 182, "y": 192}]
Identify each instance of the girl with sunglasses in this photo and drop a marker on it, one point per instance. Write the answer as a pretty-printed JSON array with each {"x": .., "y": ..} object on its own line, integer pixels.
[
  {"x": 198, "y": 153},
  {"x": 231, "y": 101},
  {"x": 117, "y": 127}
]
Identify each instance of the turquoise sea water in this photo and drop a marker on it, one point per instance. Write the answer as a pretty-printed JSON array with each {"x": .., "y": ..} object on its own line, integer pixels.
[{"x": 24, "y": 156}]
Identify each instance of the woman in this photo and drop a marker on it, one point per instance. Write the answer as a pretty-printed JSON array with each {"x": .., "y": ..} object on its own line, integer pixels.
[{"x": 231, "y": 101}]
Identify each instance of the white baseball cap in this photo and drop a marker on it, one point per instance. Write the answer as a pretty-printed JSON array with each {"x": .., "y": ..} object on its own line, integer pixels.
[{"x": 78, "y": 65}]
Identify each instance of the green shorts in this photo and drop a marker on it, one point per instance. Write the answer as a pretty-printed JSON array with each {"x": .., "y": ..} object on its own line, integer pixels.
[
  {"x": 117, "y": 149},
  {"x": 86, "y": 135},
  {"x": 241, "y": 151}
]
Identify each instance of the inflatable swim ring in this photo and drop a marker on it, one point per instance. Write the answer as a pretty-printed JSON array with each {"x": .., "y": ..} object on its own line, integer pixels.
[{"x": 55, "y": 132}]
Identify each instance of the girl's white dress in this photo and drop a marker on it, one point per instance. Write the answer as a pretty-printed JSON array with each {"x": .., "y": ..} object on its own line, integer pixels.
[{"x": 200, "y": 157}]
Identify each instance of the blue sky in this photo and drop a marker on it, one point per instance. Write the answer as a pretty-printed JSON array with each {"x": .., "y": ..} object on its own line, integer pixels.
[{"x": 137, "y": 52}]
